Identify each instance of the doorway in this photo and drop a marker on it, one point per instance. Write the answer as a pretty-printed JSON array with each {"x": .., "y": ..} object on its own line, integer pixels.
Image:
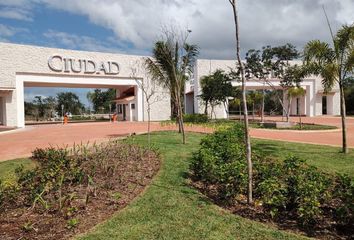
[
  {"x": 324, "y": 105},
  {"x": 124, "y": 112}
]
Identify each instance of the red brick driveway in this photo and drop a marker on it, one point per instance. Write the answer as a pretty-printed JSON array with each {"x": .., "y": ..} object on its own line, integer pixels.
[
  {"x": 20, "y": 143},
  {"x": 325, "y": 137}
]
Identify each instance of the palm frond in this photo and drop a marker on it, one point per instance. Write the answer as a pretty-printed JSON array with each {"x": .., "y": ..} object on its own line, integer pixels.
[{"x": 329, "y": 74}]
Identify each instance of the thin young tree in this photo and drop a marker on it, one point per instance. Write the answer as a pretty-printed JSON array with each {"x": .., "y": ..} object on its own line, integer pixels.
[
  {"x": 172, "y": 61},
  {"x": 149, "y": 89},
  {"x": 296, "y": 92},
  {"x": 245, "y": 113},
  {"x": 268, "y": 63},
  {"x": 334, "y": 64}
]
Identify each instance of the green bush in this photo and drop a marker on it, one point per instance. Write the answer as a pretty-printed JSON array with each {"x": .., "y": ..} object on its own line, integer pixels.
[
  {"x": 195, "y": 118},
  {"x": 344, "y": 192},
  {"x": 221, "y": 161},
  {"x": 290, "y": 187}
]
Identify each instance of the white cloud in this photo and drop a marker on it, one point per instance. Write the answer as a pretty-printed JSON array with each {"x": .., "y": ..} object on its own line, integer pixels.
[
  {"x": 8, "y": 31},
  {"x": 16, "y": 9},
  {"x": 73, "y": 41},
  {"x": 263, "y": 22}
]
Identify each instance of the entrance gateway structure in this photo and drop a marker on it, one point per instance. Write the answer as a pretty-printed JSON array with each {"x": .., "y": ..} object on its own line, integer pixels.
[
  {"x": 31, "y": 66},
  {"x": 314, "y": 103}
]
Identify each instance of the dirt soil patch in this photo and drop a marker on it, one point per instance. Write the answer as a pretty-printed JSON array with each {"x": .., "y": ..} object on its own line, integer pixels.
[{"x": 121, "y": 173}]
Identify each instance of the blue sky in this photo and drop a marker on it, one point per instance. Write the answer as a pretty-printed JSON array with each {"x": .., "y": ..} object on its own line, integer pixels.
[
  {"x": 42, "y": 30},
  {"x": 132, "y": 26},
  {"x": 49, "y": 27}
]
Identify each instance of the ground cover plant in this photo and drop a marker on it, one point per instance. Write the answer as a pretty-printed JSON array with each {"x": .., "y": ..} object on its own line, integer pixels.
[
  {"x": 70, "y": 191},
  {"x": 290, "y": 193},
  {"x": 171, "y": 209},
  {"x": 204, "y": 121}
]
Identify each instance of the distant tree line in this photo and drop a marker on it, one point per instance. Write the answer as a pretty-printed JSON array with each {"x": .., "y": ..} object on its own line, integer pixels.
[{"x": 44, "y": 108}]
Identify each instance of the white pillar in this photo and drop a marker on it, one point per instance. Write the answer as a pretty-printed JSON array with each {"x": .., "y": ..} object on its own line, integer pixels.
[
  {"x": 285, "y": 103},
  {"x": 20, "y": 104},
  {"x": 310, "y": 102},
  {"x": 139, "y": 108}
]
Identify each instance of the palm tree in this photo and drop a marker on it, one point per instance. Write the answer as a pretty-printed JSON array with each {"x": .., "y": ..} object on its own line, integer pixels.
[
  {"x": 172, "y": 61},
  {"x": 334, "y": 64},
  {"x": 296, "y": 92}
]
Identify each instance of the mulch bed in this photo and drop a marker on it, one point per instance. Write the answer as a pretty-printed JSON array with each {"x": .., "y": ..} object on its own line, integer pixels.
[
  {"x": 324, "y": 230},
  {"x": 26, "y": 222}
]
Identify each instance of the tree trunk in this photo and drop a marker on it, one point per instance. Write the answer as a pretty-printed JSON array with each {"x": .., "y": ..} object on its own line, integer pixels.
[
  {"x": 206, "y": 108},
  {"x": 182, "y": 124},
  {"x": 245, "y": 114},
  {"x": 288, "y": 111},
  {"x": 343, "y": 116},
  {"x": 262, "y": 107},
  {"x": 149, "y": 137},
  {"x": 180, "y": 118},
  {"x": 300, "y": 114},
  {"x": 239, "y": 107}
]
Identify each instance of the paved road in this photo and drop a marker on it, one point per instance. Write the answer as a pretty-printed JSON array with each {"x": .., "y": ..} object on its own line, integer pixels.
[
  {"x": 20, "y": 143},
  {"x": 326, "y": 137}
]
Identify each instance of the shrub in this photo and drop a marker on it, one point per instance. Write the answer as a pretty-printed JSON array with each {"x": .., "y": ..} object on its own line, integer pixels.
[
  {"x": 284, "y": 188},
  {"x": 221, "y": 161},
  {"x": 292, "y": 186},
  {"x": 195, "y": 118},
  {"x": 344, "y": 192}
]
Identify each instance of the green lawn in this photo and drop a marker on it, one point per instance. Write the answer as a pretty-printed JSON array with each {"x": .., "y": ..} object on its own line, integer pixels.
[
  {"x": 7, "y": 168},
  {"x": 170, "y": 209},
  {"x": 324, "y": 157}
]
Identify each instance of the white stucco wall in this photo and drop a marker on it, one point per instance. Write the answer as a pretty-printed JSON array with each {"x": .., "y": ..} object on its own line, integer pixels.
[
  {"x": 24, "y": 60},
  {"x": 313, "y": 86}
]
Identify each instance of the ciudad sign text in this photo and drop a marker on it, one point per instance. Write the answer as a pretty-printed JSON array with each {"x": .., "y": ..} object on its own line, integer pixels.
[{"x": 58, "y": 63}]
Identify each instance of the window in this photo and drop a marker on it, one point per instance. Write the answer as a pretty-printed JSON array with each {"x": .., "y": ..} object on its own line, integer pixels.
[{"x": 132, "y": 105}]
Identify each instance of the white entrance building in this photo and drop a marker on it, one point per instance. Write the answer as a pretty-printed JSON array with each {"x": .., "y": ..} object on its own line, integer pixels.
[
  {"x": 31, "y": 66},
  {"x": 314, "y": 103}
]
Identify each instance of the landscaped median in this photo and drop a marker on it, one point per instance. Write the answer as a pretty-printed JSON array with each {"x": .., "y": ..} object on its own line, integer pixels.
[
  {"x": 68, "y": 191},
  {"x": 170, "y": 208}
]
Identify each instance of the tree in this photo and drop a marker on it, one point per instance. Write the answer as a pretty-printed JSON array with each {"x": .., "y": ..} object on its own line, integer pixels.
[
  {"x": 216, "y": 88},
  {"x": 38, "y": 102},
  {"x": 70, "y": 101},
  {"x": 236, "y": 102},
  {"x": 172, "y": 61},
  {"x": 245, "y": 114},
  {"x": 50, "y": 106},
  {"x": 261, "y": 63},
  {"x": 149, "y": 92},
  {"x": 259, "y": 66},
  {"x": 254, "y": 98},
  {"x": 295, "y": 92},
  {"x": 292, "y": 77},
  {"x": 102, "y": 100},
  {"x": 334, "y": 64}
]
